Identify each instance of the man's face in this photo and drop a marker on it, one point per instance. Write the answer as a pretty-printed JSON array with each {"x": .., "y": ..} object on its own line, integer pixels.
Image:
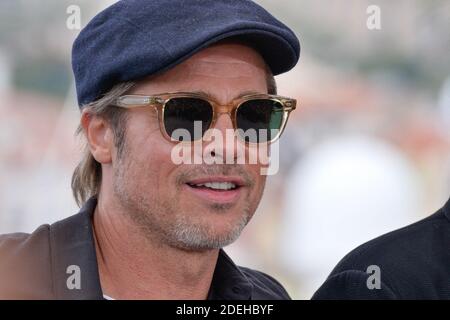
[{"x": 161, "y": 196}]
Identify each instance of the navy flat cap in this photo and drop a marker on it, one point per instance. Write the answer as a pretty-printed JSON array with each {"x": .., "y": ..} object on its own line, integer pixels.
[{"x": 133, "y": 39}]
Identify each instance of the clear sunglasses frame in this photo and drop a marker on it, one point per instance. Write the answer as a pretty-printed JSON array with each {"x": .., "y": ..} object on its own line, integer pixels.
[{"x": 159, "y": 102}]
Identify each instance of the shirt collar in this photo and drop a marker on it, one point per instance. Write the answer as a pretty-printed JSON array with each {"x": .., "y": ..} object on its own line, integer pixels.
[
  {"x": 72, "y": 244},
  {"x": 229, "y": 282}
]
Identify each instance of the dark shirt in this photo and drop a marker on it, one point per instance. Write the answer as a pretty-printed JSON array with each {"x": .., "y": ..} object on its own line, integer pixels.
[
  {"x": 37, "y": 266},
  {"x": 414, "y": 263}
]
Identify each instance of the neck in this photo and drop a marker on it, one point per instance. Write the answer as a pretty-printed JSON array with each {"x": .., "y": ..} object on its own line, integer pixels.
[{"x": 131, "y": 266}]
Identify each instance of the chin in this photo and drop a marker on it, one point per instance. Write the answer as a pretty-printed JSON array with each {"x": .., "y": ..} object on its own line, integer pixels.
[{"x": 209, "y": 234}]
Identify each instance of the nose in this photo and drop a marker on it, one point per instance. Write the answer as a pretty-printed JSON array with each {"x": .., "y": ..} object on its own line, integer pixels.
[{"x": 221, "y": 141}]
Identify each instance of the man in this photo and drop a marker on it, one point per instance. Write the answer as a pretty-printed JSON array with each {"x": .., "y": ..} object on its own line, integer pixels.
[
  {"x": 151, "y": 227},
  {"x": 410, "y": 263}
]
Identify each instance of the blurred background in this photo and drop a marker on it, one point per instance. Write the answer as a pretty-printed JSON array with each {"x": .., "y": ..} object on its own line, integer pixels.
[{"x": 366, "y": 152}]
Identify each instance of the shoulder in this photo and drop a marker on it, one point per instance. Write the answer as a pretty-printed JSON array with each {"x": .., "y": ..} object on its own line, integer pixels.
[
  {"x": 408, "y": 262},
  {"x": 24, "y": 263},
  {"x": 264, "y": 286},
  {"x": 401, "y": 247},
  {"x": 18, "y": 246}
]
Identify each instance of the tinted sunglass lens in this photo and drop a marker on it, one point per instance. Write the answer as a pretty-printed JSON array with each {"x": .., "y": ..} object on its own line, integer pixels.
[
  {"x": 259, "y": 120},
  {"x": 182, "y": 115}
]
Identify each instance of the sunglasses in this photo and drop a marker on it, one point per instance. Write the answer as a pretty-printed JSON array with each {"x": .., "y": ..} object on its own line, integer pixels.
[{"x": 257, "y": 118}]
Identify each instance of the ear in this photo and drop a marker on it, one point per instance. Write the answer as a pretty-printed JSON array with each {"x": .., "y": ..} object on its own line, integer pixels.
[{"x": 99, "y": 137}]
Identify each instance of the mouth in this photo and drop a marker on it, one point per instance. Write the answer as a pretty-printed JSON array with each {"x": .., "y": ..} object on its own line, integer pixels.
[
  {"x": 216, "y": 186},
  {"x": 216, "y": 189}
]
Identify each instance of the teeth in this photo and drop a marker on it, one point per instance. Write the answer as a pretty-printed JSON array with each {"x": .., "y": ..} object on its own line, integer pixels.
[{"x": 217, "y": 185}]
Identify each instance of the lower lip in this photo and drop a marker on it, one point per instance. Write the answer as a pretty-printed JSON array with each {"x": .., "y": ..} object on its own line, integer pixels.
[{"x": 219, "y": 196}]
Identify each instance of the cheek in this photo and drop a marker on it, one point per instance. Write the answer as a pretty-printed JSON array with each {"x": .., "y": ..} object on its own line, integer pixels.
[
  {"x": 149, "y": 158},
  {"x": 154, "y": 165},
  {"x": 258, "y": 179}
]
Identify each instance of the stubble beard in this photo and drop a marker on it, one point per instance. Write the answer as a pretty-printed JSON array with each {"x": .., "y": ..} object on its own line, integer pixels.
[{"x": 161, "y": 222}]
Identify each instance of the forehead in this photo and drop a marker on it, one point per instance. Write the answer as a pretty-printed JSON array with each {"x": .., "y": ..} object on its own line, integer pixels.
[
  {"x": 225, "y": 55},
  {"x": 219, "y": 68}
]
